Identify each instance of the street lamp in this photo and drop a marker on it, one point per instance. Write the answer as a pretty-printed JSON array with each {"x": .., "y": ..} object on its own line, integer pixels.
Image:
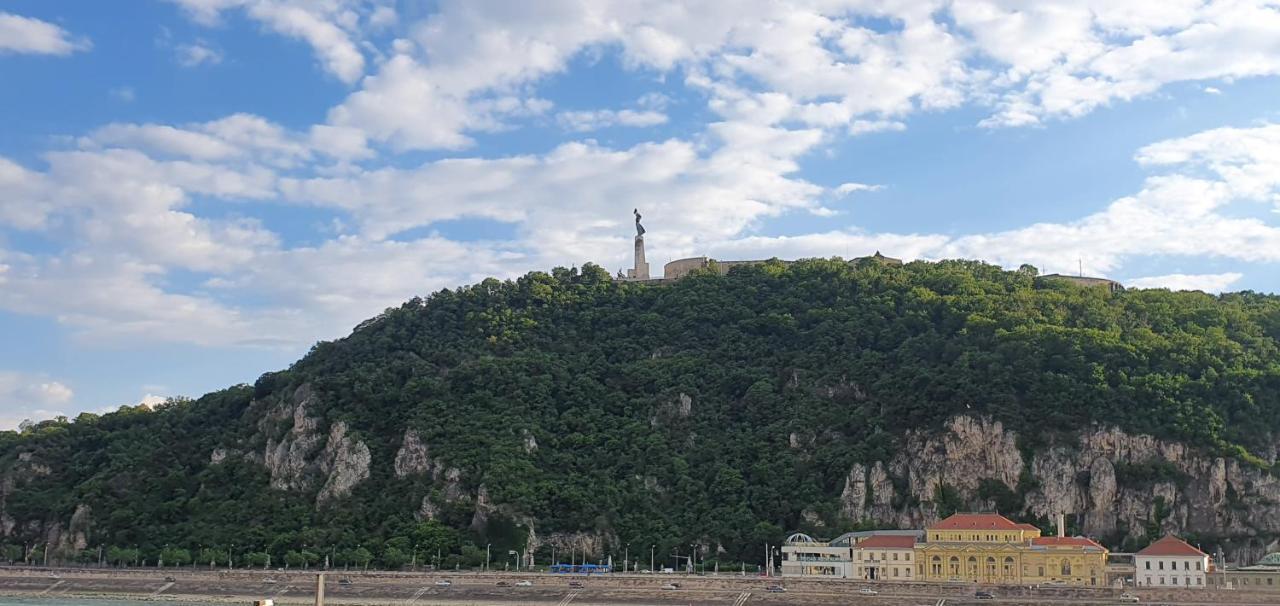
[
  {"x": 651, "y": 548},
  {"x": 487, "y": 557},
  {"x": 626, "y": 556}
]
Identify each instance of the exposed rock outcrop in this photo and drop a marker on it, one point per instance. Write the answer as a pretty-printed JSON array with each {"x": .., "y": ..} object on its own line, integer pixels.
[
  {"x": 1189, "y": 491},
  {"x": 412, "y": 458},
  {"x": 298, "y": 462},
  {"x": 344, "y": 461}
]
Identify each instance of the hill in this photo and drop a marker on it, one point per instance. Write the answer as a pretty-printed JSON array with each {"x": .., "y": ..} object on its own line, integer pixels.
[{"x": 565, "y": 410}]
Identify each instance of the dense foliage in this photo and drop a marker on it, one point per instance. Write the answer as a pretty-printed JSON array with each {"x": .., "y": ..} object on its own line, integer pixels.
[{"x": 716, "y": 410}]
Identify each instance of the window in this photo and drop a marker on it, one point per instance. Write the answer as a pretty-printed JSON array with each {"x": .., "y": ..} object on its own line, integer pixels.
[
  {"x": 1198, "y": 566},
  {"x": 895, "y": 572},
  {"x": 907, "y": 556},
  {"x": 954, "y": 565},
  {"x": 1162, "y": 565},
  {"x": 1040, "y": 571},
  {"x": 1066, "y": 568},
  {"x": 973, "y": 566},
  {"x": 1173, "y": 581},
  {"x": 991, "y": 567},
  {"x": 1186, "y": 565},
  {"x": 1162, "y": 580},
  {"x": 895, "y": 556},
  {"x": 1008, "y": 566},
  {"x": 1148, "y": 564},
  {"x": 936, "y": 565}
]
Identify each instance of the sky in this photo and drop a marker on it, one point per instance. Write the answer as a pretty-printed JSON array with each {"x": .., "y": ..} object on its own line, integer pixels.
[{"x": 194, "y": 192}]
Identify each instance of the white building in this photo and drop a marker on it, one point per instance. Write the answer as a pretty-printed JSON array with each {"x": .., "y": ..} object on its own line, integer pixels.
[
  {"x": 1171, "y": 562},
  {"x": 803, "y": 556},
  {"x": 885, "y": 558}
]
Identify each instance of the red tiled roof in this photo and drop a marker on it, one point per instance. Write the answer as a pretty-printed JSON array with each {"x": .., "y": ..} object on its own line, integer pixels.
[
  {"x": 1065, "y": 542},
  {"x": 1170, "y": 546},
  {"x": 1025, "y": 526},
  {"x": 887, "y": 541},
  {"x": 976, "y": 521}
]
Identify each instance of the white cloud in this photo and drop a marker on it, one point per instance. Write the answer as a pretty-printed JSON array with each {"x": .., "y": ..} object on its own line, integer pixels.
[
  {"x": 1211, "y": 283},
  {"x": 27, "y": 35},
  {"x": 32, "y": 396},
  {"x": 125, "y": 94},
  {"x": 845, "y": 189},
  {"x": 332, "y": 28},
  {"x": 197, "y": 53},
  {"x": 585, "y": 121},
  {"x": 1212, "y": 90}
]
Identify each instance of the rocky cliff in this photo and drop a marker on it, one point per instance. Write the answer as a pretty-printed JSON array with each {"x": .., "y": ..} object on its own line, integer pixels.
[{"x": 1111, "y": 484}]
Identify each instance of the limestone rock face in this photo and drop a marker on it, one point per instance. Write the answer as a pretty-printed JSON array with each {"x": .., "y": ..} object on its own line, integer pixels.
[
  {"x": 304, "y": 457},
  {"x": 1210, "y": 496},
  {"x": 345, "y": 461},
  {"x": 412, "y": 458}
]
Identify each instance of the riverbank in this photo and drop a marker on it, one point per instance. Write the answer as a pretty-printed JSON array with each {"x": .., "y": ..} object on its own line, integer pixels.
[{"x": 354, "y": 588}]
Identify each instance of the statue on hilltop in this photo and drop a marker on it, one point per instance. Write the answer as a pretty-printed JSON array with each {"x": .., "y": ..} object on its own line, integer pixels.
[{"x": 639, "y": 227}]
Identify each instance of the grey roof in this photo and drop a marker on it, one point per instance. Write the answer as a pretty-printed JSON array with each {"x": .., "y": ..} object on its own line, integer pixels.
[{"x": 849, "y": 538}]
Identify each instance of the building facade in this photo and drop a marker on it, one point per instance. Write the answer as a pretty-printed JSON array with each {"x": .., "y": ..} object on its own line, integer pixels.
[
  {"x": 804, "y": 556},
  {"x": 885, "y": 558},
  {"x": 1171, "y": 562},
  {"x": 989, "y": 548},
  {"x": 1263, "y": 576}
]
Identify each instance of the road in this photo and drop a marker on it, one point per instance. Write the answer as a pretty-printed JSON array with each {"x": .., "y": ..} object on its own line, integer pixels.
[{"x": 404, "y": 589}]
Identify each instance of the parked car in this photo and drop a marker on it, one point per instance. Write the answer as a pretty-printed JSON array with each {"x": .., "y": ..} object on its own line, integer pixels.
[
  {"x": 984, "y": 595},
  {"x": 170, "y": 580},
  {"x": 670, "y": 587},
  {"x": 444, "y": 583},
  {"x": 504, "y": 584},
  {"x": 524, "y": 583},
  {"x": 269, "y": 581},
  {"x": 1129, "y": 598},
  {"x": 776, "y": 589},
  {"x": 868, "y": 591},
  {"x": 576, "y": 584},
  {"x": 344, "y": 582}
]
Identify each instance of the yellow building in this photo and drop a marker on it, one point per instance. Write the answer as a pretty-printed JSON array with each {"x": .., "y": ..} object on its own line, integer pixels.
[{"x": 990, "y": 548}]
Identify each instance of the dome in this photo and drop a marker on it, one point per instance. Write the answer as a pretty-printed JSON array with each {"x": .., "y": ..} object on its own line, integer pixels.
[
  {"x": 799, "y": 537},
  {"x": 1271, "y": 559}
]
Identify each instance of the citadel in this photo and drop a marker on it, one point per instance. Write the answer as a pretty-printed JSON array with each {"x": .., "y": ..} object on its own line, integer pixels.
[{"x": 680, "y": 268}]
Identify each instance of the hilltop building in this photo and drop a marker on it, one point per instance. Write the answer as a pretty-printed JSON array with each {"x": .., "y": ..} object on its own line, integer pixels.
[
  {"x": 1171, "y": 562},
  {"x": 1087, "y": 281},
  {"x": 990, "y": 548}
]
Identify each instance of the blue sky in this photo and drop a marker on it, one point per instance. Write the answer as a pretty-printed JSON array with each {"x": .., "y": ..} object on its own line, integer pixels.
[{"x": 192, "y": 192}]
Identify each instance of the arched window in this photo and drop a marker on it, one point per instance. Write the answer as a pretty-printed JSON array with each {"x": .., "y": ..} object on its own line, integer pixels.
[
  {"x": 954, "y": 565},
  {"x": 973, "y": 566},
  {"x": 1066, "y": 568},
  {"x": 936, "y": 565},
  {"x": 991, "y": 567},
  {"x": 1008, "y": 566}
]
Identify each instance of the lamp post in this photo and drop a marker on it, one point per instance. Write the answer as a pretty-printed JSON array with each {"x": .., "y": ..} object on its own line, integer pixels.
[
  {"x": 626, "y": 557},
  {"x": 487, "y": 557},
  {"x": 651, "y": 548}
]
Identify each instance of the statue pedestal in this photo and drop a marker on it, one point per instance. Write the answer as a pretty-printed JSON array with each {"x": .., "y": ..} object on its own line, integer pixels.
[{"x": 641, "y": 269}]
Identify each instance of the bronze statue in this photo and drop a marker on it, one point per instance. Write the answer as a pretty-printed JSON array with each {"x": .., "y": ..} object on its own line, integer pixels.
[{"x": 639, "y": 227}]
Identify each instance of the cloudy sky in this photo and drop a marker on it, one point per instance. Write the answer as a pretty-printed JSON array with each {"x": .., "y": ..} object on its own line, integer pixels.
[{"x": 192, "y": 192}]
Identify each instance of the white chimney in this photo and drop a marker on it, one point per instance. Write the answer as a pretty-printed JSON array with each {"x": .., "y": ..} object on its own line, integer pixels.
[{"x": 1062, "y": 525}]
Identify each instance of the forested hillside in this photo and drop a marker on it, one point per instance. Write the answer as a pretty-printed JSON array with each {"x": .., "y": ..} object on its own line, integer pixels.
[{"x": 569, "y": 409}]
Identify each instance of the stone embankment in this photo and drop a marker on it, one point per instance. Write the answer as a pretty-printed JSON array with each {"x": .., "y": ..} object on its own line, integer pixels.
[{"x": 383, "y": 589}]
